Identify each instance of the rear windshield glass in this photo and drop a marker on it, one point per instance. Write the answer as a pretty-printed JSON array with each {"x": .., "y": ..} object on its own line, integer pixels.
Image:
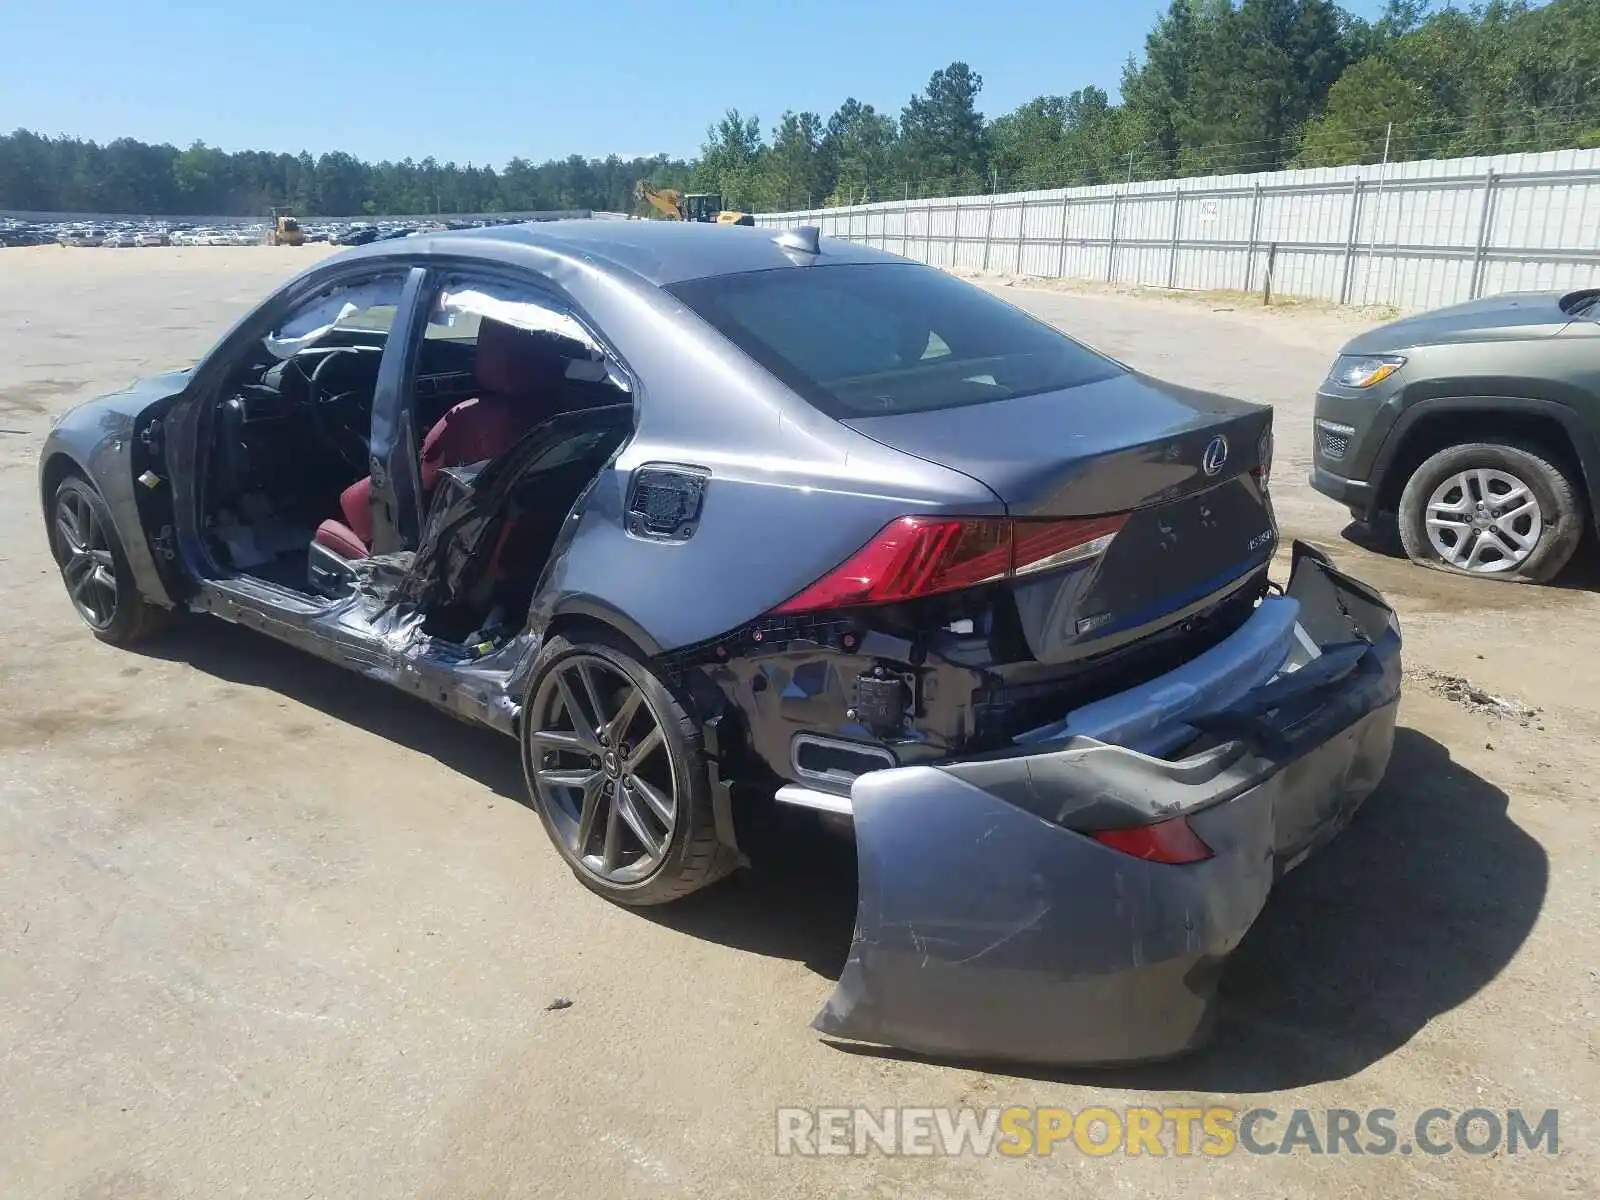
[{"x": 861, "y": 340}]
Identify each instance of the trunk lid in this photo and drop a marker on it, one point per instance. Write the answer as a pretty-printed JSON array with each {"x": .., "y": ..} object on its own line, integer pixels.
[{"x": 1179, "y": 462}]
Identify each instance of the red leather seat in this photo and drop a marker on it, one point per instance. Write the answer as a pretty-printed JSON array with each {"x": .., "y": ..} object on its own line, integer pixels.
[{"x": 519, "y": 376}]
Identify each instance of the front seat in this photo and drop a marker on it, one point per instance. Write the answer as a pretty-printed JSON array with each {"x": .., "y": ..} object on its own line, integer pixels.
[{"x": 520, "y": 376}]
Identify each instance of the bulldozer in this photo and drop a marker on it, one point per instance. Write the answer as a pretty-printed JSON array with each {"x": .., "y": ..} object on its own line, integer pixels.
[
  {"x": 705, "y": 207},
  {"x": 285, "y": 230}
]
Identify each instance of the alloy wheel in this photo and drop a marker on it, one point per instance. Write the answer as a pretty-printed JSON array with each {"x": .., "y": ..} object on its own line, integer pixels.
[
  {"x": 603, "y": 769},
  {"x": 83, "y": 552},
  {"x": 1483, "y": 520}
]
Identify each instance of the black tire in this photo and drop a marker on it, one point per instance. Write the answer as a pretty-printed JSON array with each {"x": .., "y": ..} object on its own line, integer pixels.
[
  {"x": 691, "y": 857},
  {"x": 1562, "y": 510},
  {"x": 129, "y": 618}
]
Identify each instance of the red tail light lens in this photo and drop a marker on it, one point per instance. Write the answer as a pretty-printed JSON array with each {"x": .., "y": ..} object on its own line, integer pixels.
[
  {"x": 1164, "y": 842},
  {"x": 1263, "y": 471},
  {"x": 924, "y": 556},
  {"x": 1041, "y": 545}
]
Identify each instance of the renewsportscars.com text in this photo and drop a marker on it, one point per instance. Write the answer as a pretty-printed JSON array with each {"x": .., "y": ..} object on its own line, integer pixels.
[{"x": 1160, "y": 1132}]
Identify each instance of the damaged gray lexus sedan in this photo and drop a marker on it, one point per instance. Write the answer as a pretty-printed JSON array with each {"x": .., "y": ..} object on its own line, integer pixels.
[{"x": 710, "y": 519}]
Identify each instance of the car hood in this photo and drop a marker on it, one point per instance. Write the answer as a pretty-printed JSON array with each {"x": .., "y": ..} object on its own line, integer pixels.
[
  {"x": 131, "y": 400},
  {"x": 1515, "y": 316}
]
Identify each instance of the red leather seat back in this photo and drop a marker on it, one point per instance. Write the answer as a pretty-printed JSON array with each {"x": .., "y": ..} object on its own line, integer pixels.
[
  {"x": 521, "y": 376},
  {"x": 521, "y": 379}
]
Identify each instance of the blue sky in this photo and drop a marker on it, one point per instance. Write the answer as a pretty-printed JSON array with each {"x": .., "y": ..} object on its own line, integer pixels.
[{"x": 391, "y": 78}]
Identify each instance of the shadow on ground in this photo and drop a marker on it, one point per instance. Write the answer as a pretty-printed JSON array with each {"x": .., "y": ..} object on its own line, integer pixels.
[
  {"x": 798, "y": 900},
  {"x": 1409, "y": 913},
  {"x": 1581, "y": 574},
  {"x": 246, "y": 657}
]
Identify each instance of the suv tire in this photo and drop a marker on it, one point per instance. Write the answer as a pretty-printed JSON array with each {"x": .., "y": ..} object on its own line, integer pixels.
[{"x": 1466, "y": 480}]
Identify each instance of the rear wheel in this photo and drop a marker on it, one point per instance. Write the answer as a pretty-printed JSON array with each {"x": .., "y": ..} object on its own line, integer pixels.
[
  {"x": 94, "y": 567},
  {"x": 615, "y": 769},
  {"x": 1492, "y": 510}
]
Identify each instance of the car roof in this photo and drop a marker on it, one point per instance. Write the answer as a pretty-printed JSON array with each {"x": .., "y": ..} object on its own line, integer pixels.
[{"x": 660, "y": 252}]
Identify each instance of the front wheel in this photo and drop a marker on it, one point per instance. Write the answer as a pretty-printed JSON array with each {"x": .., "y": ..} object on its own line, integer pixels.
[
  {"x": 1494, "y": 511},
  {"x": 94, "y": 567},
  {"x": 614, "y": 765}
]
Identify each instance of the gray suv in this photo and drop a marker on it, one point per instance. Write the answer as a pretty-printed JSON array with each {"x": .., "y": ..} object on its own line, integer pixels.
[{"x": 1476, "y": 428}]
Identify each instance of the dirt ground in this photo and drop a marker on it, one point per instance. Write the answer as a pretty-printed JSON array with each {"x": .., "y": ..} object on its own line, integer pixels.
[{"x": 269, "y": 929}]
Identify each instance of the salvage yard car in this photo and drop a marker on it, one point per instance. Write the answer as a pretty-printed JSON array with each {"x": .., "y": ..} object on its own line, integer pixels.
[
  {"x": 1474, "y": 428},
  {"x": 715, "y": 518}
]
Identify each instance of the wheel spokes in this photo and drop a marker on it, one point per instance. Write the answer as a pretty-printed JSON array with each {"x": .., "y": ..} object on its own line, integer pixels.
[
  {"x": 581, "y": 778},
  {"x": 79, "y": 573},
  {"x": 622, "y": 799},
  {"x": 67, "y": 531},
  {"x": 588, "y": 737},
  {"x": 625, "y": 714},
  {"x": 559, "y": 739},
  {"x": 660, "y": 803},
  {"x": 586, "y": 677},
  {"x": 592, "y": 728},
  {"x": 1506, "y": 526},
  {"x": 587, "y": 813},
  {"x": 643, "y": 748},
  {"x": 1483, "y": 519},
  {"x": 611, "y": 857}
]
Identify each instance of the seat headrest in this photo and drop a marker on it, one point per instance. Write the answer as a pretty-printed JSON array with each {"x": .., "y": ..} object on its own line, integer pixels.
[{"x": 516, "y": 362}]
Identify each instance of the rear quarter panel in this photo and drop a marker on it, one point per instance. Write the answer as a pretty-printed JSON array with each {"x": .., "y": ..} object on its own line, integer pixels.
[{"x": 792, "y": 493}]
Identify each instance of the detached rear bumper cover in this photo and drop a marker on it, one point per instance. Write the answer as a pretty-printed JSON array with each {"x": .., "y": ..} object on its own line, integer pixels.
[{"x": 989, "y": 929}]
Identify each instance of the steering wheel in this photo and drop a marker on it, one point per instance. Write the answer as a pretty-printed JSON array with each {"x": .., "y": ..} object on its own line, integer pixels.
[{"x": 333, "y": 413}]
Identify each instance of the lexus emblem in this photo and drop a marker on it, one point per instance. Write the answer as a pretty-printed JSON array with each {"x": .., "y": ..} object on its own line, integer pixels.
[{"x": 1216, "y": 455}]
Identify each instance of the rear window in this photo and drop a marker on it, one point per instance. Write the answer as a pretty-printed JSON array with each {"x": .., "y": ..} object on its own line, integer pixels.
[{"x": 863, "y": 340}]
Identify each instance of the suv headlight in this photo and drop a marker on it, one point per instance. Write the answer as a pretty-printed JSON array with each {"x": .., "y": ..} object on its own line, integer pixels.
[{"x": 1364, "y": 370}]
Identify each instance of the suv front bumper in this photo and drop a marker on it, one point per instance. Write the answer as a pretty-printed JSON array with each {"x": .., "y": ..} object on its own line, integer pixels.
[
  {"x": 989, "y": 928},
  {"x": 1357, "y": 495}
]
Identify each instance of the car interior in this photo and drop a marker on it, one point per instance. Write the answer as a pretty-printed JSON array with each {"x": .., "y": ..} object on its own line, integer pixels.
[{"x": 287, "y": 493}]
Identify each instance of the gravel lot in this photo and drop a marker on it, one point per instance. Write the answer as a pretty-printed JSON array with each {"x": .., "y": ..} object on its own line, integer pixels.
[{"x": 268, "y": 929}]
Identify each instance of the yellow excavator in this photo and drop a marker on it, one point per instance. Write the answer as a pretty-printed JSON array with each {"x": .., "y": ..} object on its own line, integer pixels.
[
  {"x": 285, "y": 230},
  {"x": 674, "y": 205}
]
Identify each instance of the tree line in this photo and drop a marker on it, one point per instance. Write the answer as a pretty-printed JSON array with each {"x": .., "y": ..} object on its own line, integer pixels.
[{"x": 1222, "y": 86}]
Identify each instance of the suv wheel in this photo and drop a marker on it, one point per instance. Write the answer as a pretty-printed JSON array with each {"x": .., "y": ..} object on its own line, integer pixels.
[{"x": 1492, "y": 510}]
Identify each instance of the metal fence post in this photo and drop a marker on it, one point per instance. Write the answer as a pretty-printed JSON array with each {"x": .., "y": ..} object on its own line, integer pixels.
[
  {"x": 988, "y": 233},
  {"x": 955, "y": 235},
  {"x": 1022, "y": 230},
  {"x": 1172, "y": 261},
  {"x": 1061, "y": 258},
  {"x": 1350, "y": 241},
  {"x": 1111, "y": 249},
  {"x": 1482, "y": 247},
  {"x": 1255, "y": 227}
]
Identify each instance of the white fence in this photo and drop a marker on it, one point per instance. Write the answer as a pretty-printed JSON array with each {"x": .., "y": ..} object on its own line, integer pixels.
[{"x": 1413, "y": 235}]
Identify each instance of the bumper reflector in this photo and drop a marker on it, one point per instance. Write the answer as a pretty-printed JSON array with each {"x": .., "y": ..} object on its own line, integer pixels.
[{"x": 1171, "y": 842}]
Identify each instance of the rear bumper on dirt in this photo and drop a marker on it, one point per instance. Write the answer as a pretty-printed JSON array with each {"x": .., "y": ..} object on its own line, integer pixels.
[{"x": 988, "y": 927}]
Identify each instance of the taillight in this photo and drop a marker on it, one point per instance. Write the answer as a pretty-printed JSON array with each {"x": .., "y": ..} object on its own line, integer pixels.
[
  {"x": 1171, "y": 841},
  {"x": 924, "y": 556},
  {"x": 1263, "y": 470}
]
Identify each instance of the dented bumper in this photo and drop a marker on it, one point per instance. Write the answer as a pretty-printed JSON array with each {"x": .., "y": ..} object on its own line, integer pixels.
[{"x": 991, "y": 925}]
